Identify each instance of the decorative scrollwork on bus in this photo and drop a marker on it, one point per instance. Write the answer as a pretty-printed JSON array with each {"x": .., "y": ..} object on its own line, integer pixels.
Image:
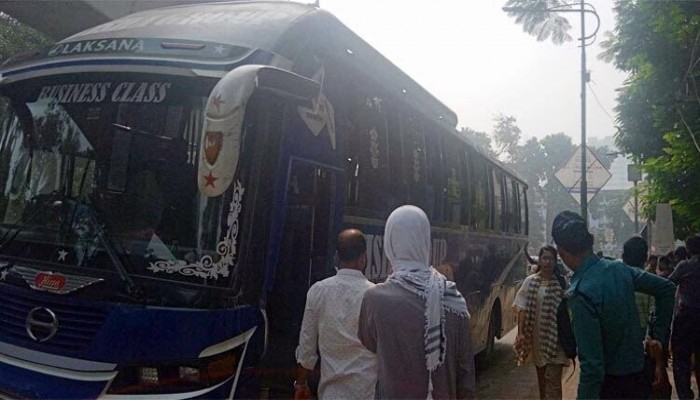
[{"x": 206, "y": 267}]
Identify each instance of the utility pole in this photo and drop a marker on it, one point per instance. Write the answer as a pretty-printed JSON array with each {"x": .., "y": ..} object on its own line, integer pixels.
[
  {"x": 636, "y": 209},
  {"x": 584, "y": 148},
  {"x": 634, "y": 175},
  {"x": 585, "y": 8}
]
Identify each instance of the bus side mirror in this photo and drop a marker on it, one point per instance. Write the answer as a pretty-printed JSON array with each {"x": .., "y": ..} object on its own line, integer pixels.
[
  {"x": 224, "y": 114},
  {"x": 287, "y": 84}
]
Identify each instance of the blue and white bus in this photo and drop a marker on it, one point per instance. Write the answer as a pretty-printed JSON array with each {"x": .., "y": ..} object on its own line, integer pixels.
[{"x": 172, "y": 182}]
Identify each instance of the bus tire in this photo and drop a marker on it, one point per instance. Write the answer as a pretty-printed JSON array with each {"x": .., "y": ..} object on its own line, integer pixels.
[{"x": 487, "y": 353}]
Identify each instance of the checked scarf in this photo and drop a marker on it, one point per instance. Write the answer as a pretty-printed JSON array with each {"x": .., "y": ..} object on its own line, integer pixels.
[
  {"x": 407, "y": 246},
  {"x": 547, "y": 335}
]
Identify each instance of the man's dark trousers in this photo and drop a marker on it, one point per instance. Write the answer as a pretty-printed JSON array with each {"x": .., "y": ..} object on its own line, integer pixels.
[{"x": 685, "y": 340}]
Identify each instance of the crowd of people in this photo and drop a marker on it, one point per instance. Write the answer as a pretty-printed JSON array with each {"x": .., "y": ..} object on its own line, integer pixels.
[
  {"x": 629, "y": 316},
  {"x": 409, "y": 338}
]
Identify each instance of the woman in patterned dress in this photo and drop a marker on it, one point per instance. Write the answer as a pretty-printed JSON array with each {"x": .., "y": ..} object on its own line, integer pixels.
[{"x": 537, "y": 341}]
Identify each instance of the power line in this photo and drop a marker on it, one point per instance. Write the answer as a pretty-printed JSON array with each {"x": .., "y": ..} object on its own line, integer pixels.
[{"x": 595, "y": 96}]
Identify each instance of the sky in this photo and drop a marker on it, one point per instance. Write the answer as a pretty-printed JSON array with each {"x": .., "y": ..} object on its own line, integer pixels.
[{"x": 476, "y": 60}]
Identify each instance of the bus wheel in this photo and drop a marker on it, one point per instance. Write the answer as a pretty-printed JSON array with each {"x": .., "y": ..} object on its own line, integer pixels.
[{"x": 486, "y": 354}]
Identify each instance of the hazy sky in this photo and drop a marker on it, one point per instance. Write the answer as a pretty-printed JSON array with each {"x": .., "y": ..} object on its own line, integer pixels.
[{"x": 474, "y": 58}]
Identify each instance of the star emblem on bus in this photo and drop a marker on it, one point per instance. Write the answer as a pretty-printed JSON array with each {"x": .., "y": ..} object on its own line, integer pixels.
[
  {"x": 210, "y": 179},
  {"x": 217, "y": 102}
]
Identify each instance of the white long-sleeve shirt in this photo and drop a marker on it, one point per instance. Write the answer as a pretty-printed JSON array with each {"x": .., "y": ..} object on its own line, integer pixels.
[{"x": 348, "y": 370}]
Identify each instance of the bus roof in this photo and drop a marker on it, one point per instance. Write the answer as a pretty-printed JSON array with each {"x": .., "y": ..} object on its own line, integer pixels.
[
  {"x": 279, "y": 27},
  {"x": 241, "y": 23}
]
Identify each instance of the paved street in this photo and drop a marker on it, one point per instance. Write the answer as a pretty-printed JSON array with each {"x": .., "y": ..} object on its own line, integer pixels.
[{"x": 503, "y": 379}]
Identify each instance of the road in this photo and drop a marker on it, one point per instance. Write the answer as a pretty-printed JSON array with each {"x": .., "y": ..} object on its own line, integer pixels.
[{"x": 503, "y": 379}]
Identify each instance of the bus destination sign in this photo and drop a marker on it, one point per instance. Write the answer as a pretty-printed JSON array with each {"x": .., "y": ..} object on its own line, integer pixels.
[
  {"x": 97, "y": 46},
  {"x": 147, "y": 47}
]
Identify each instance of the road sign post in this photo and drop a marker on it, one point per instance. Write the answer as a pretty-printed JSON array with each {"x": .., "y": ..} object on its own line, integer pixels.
[
  {"x": 634, "y": 174},
  {"x": 570, "y": 175}
]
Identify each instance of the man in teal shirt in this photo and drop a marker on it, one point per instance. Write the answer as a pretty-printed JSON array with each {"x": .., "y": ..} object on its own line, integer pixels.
[{"x": 604, "y": 314}]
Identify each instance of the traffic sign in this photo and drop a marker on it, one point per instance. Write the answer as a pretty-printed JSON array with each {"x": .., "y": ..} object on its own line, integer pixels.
[{"x": 570, "y": 175}]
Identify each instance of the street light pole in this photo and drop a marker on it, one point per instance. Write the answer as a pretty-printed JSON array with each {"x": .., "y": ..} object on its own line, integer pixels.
[
  {"x": 634, "y": 174},
  {"x": 584, "y": 149},
  {"x": 584, "y": 79},
  {"x": 636, "y": 209}
]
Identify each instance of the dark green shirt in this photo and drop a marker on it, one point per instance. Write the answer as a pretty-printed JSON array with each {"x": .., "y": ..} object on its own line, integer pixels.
[{"x": 606, "y": 321}]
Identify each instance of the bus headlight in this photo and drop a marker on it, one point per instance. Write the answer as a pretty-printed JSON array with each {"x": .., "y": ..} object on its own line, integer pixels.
[{"x": 176, "y": 376}]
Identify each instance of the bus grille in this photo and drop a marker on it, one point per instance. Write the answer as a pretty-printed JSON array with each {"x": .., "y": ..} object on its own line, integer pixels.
[{"x": 77, "y": 324}]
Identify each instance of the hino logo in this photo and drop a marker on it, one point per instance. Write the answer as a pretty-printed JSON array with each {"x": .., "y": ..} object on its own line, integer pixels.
[
  {"x": 41, "y": 324},
  {"x": 49, "y": 281},
  {"x": 53, "y": 282}
]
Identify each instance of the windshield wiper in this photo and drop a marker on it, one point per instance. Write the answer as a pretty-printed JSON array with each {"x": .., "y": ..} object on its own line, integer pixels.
[{"x": 112, "y": 248}]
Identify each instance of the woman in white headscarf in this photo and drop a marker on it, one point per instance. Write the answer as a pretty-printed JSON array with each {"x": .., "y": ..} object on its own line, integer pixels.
[{"x": 416, "y": 322}]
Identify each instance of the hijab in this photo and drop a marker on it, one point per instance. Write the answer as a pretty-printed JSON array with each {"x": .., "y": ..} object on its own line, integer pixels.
[{"x": 407, "y": 246}]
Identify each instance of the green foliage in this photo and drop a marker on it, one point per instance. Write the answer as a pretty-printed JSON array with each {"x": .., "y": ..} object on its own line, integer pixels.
[
  {"x": 482, "y": 140},
  {"x": 17, "y": 38},
  {"x": 539, "y": 20},
  {"x": 506, "y": 135},
  {"x": 658, "y": 112}
]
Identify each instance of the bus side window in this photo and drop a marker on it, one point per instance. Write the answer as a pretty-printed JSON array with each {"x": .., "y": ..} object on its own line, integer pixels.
[
  {"x": 435, "y": 185},
  {"x": 414, "y": 159},
  {"x": 479, "y": 190},
  {"x": 453, "y": 179},
  {"x": 466, "y": 195},
  {"x": 368, "y": 159},
  {"x": 511, "y": 216},
  {"x": 498, "y": 200},
  {"x": 397, "y": 183},
  {"x": 523, "y": 209}
]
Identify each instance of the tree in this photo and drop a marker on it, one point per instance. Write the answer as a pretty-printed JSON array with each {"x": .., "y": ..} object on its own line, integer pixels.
[
  {"x": 480, "y": 139},
  {"x": 506, "y": 135},
  {"x": 529, "y": 163},
  {"x": 537, "y": 19},
  {"x": 16, "y": 37},
  {"x": 658, "y": 112}
]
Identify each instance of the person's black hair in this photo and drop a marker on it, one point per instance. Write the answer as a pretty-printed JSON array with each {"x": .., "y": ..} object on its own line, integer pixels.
[
  {"x": 664, "y": 263},
  {"x": 680, "y": 253},
  {"x": 351, "y": 244},
  {"x": 692, "y": 243},
  {"x": 634, "y": 251},
  {"x": 570, "y": 232},
  {"x": 558, "y": 275},
  {"x": 550, "y": 249},
  {"x": 653, "y": 258}
]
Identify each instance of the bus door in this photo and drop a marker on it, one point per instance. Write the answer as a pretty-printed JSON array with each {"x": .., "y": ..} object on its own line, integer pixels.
[{"x": 305, "y": 256}]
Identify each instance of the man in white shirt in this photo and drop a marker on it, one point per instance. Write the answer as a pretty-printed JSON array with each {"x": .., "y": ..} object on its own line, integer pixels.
[{"x": 348, "y": 370}]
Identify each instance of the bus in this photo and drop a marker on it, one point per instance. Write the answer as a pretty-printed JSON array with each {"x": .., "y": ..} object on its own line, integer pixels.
[{"x": 173, "y": 182}]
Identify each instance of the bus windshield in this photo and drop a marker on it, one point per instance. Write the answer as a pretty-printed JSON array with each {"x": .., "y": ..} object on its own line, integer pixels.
[{"x": 105, "y": 160}]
